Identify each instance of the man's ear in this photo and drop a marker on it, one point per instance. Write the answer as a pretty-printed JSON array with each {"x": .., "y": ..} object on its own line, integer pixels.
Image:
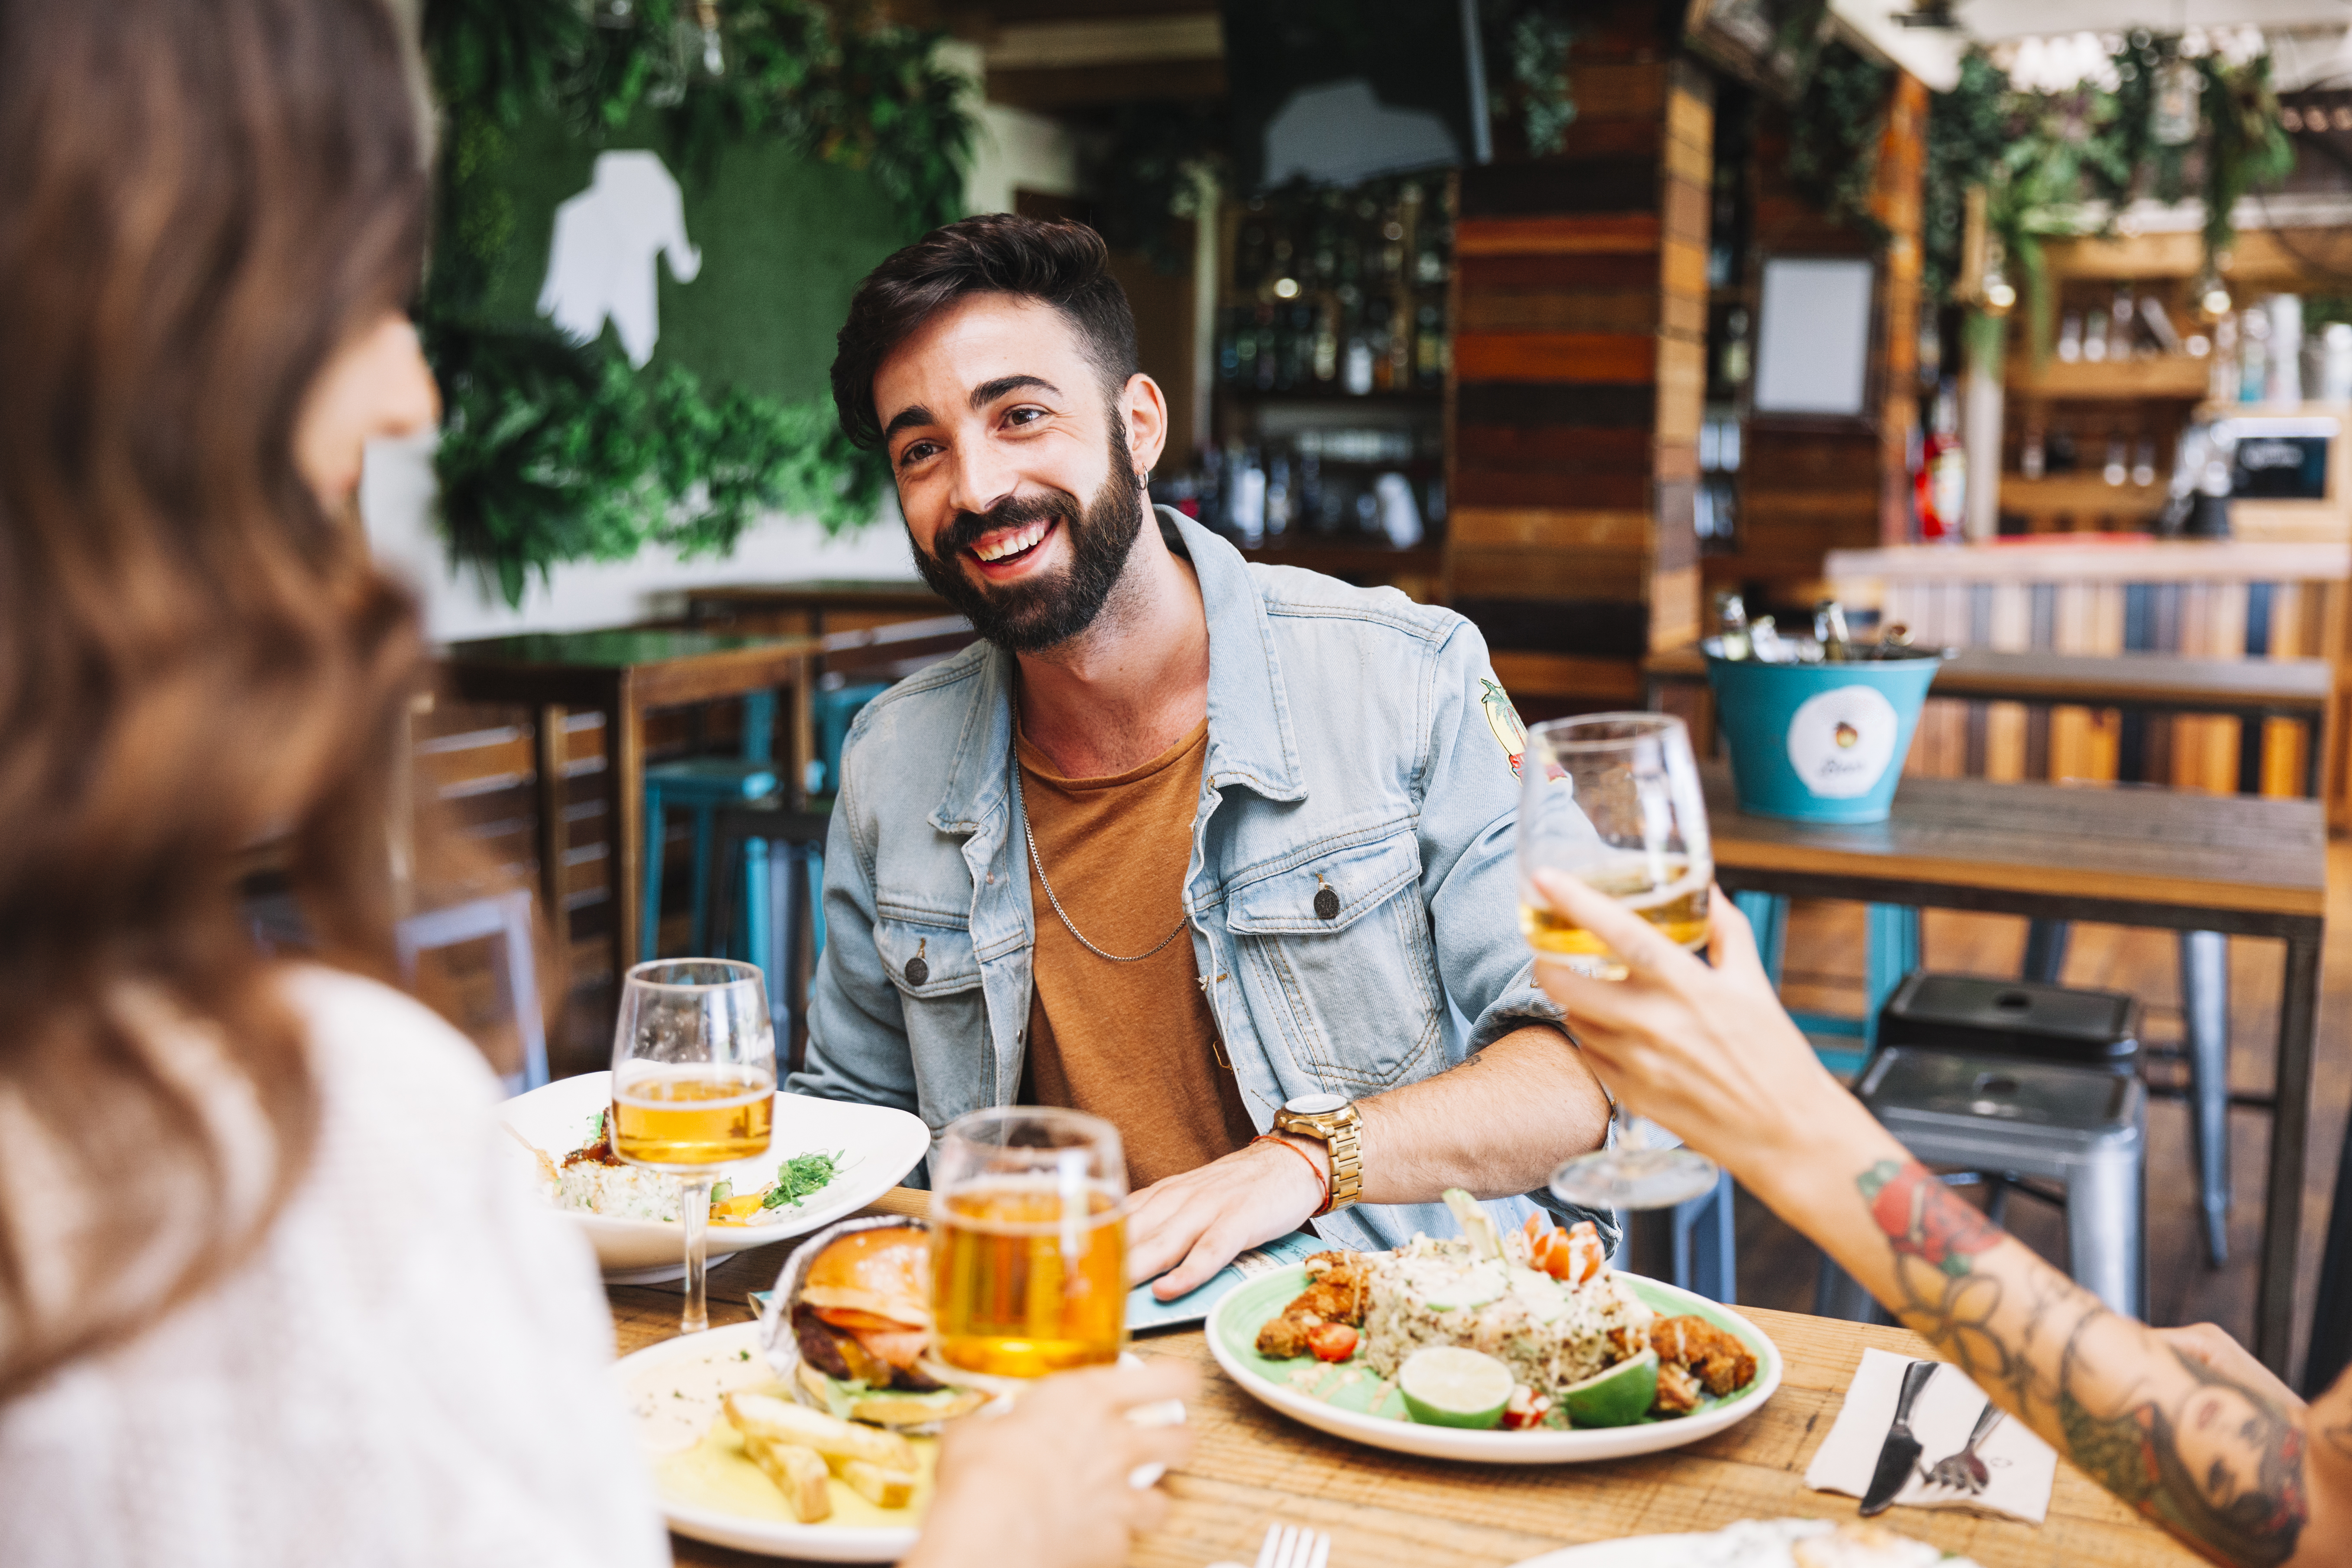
[{"x": 1145, "y": 408}]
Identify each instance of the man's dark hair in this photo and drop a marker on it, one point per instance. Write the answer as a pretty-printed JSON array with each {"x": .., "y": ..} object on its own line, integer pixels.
[{"x": 1065, "y": 265}]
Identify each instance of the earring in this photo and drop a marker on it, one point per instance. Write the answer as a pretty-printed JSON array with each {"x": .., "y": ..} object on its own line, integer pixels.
[{"x": 1143, "y": 476}]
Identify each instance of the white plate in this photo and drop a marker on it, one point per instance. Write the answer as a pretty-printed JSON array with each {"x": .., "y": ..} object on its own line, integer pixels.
[
  {"x": 1751, "y": 1543},
  {"x": 877, "y": 1145},
  {"x": 1233, "y": 1327},
  {"x": 674, "y": 1390}
]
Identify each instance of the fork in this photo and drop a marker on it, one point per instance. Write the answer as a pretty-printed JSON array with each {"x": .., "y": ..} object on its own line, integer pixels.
[
  {"x": 1963, "y": 1471},
  {"x": 1294, "y": 1546}
]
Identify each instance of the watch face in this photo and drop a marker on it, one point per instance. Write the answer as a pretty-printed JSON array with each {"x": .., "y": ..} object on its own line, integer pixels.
[{"x": 1317, "y": 1104}]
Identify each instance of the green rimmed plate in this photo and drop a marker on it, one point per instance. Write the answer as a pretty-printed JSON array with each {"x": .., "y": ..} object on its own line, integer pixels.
[{"x": 1367, "y": 1410}]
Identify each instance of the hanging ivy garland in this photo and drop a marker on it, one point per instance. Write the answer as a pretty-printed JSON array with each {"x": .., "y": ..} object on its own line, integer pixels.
[
  {"x": 553, "y": 451},
  {"x": 2044, "y": 156}
]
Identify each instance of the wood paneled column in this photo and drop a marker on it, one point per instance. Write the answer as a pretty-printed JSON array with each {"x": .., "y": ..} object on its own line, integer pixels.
[{"x": 1578, "y": 379}]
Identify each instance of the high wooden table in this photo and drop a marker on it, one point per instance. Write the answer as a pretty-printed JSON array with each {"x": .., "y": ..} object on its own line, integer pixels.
[
  {"x": 2295, "y": 689},
  {"x": 1252, "y": 1468},
  {"x": 621, "y": 673},
  {"x": 2122, "y": 854}
]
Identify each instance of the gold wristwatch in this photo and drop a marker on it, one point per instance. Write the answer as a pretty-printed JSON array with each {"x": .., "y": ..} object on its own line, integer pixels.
[{"x": 1333, "y": 1123}]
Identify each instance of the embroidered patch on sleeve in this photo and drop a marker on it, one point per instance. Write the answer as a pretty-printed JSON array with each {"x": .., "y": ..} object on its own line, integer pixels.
[{"x": 1504, "y": 720}]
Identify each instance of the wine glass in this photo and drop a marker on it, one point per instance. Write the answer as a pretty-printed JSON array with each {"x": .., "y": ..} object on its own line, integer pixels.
[
  {"x": 694, "y": 1086},
  {"x": 1615, "y": 799},
  {"x": 1029, "y": 1242}
]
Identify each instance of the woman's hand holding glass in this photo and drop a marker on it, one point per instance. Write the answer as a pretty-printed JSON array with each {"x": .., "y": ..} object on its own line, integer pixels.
[{"x": 1707, "y": 1051}]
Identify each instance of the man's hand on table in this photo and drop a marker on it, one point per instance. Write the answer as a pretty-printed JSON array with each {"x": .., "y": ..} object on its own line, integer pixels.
[{"x": 1192, "y": 1225}]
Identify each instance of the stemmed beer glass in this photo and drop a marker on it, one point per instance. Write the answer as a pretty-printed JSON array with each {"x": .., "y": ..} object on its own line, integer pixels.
[
  {"x": 694, "y": 1086},
  {"x": 1029, "y": 1242},
  {"x": 1615, "y": 799}
]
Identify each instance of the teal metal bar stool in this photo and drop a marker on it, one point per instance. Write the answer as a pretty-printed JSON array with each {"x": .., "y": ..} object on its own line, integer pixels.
[{"x": 702, "y": 784}]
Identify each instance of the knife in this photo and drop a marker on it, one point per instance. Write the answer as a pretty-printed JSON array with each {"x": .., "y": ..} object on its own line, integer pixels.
[{"x": 1900, "y": 1454}]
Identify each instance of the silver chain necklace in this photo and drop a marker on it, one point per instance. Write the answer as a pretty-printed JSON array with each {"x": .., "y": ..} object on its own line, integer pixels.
[{"x": 1021, "y": 806}]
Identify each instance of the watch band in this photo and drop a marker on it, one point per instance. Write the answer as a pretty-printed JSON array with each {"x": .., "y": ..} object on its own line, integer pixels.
[{"x": 1340, "y": 1133}]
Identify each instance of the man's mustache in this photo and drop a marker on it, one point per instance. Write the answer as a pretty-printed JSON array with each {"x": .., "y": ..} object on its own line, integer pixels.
[{"x": 967, "y": 529}]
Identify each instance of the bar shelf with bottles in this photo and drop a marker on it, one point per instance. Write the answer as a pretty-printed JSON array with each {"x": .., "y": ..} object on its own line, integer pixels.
[
  {"x": 2181, "y": 456},
  {"x": 1328, "y": 405},
  {"x": 2093, "y": 433}
]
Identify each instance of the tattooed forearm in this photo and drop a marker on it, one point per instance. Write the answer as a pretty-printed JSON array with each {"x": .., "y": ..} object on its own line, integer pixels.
[{"x": 2212, "y": 1461}]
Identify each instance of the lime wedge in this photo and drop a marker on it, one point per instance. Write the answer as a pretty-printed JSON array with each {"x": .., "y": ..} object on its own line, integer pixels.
[
  {"x": 1447, "y": 1385},
  {"x": 1618, "y": 1398}
]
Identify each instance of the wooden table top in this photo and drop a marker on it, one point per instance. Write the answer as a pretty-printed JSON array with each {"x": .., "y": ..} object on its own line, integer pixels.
[
  {"x": 2288, "y": 688},
  {"x": 1254, "y": 1467},
  {"x": 2087, "y": 558},
  {"x": 2141, "y": 844}
]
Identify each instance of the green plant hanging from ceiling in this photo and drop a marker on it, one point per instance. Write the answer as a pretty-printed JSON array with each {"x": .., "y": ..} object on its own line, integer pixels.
[
  {"x": 553, "y": 451},
  {"x": 2066, "y": 163}
]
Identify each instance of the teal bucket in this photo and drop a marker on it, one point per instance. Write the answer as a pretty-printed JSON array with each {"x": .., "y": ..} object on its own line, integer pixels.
[{"x": 1819, "y": 743}]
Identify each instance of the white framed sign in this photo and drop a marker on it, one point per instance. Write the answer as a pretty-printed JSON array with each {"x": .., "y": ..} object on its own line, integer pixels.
[{"x": 1813, "y": 337}]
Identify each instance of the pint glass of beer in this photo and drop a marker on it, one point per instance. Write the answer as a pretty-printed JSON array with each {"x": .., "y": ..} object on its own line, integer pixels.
[{"x": 1029, "y": 1242}]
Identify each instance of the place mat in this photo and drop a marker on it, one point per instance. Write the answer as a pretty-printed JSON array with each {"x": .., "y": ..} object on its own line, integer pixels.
[{"x": 2023, "y": 1467}]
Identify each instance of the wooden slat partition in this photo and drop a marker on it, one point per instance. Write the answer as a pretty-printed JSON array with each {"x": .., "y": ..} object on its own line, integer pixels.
[
  {"x": 2221, "y": 600},
  {"x": 1573, "y": 403}
]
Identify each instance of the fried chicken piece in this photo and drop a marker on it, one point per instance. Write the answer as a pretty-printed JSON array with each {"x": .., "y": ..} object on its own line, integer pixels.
[
  {"x": 1281, "y": 1338},
  {"x": 1721, "y": 1361},
  {"x": 1340, "y": 1287},
  {"x": 1678, "y": 1391}
]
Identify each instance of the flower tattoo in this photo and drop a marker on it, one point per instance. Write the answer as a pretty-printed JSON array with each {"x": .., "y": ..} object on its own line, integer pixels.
[{"x": 1922, "y": 1218}]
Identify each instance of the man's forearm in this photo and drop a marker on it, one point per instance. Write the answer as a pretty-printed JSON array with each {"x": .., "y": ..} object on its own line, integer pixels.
[
  {"x": 1496, "y": 1124},
  {"x": 2216, "y": 1460}
]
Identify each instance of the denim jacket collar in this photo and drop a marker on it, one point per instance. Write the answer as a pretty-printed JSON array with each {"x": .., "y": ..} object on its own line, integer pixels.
[{"x": 1251, "y": 742}]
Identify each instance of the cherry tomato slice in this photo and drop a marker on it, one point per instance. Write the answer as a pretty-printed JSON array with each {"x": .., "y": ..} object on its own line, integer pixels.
[{"x": 1331, "y": 1341}]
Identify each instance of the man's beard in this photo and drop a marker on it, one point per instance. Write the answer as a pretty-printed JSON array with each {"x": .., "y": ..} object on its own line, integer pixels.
[{"x": 1044, "y": 612}]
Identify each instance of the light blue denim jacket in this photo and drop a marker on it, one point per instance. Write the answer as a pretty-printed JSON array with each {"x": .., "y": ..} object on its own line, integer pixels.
[{"x": 1356, "y": 740}]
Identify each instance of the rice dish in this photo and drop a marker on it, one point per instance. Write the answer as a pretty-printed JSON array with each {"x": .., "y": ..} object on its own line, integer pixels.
[
  {"x": 1549, "y": 1332},
  {"x": 617, "y": 1191}
]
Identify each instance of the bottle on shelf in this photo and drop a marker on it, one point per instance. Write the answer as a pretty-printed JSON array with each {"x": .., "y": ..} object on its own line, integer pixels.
[
  {"x": 2032, "y": 459},
  {"x": 2119, "y": 326},
  {"x": 2285, "y": 349},
  {"x": 2070, "y": 338},
  {"x": 2143, "y": 472},
  {"x": 2253, "y": 355},
  {"x": 1731, "y": 624},
  {"x": 1940, "y": 488},
  {"x": 2095, "y": 338},
  {"x": 2221, "y": 374},
  {"x": 2116, "y": 472}
]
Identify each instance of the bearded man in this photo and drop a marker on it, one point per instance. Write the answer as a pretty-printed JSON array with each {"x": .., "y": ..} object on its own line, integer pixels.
[{"x": 1220, "y": 852}]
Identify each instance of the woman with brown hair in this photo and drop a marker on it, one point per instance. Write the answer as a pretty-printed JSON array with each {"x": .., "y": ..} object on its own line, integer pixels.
[
  {"x": 268, "y": 1292},
  {"x": 265, "y": 1294}
]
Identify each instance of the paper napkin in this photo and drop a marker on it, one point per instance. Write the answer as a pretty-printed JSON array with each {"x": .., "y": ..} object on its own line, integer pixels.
[{"x": 2023, "y": 1465}]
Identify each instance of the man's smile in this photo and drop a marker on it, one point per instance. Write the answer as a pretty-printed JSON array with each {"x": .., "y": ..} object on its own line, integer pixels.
[{"x": 1001, "y": 552}]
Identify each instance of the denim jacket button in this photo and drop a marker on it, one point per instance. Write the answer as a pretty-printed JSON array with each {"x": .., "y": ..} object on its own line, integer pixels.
[{"x": 1327, "y": 904}]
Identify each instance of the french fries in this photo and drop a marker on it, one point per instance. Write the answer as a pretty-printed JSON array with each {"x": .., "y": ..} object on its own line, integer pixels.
[
  {"x": 883, "y": 1488},
  {"x": 778, "y": 1421},
  {"x": 800, "y": 1474}
]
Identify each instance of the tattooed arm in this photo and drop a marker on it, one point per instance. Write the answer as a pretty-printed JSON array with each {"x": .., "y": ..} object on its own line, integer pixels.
[{"x": 2182, "y": 1424}]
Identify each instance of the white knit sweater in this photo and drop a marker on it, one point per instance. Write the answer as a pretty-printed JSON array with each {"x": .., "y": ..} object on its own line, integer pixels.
[{"x": 414, "y": 1368}]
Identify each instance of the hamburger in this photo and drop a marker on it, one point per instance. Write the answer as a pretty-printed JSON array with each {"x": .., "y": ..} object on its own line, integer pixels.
[{"x": 862, "y": 1324}]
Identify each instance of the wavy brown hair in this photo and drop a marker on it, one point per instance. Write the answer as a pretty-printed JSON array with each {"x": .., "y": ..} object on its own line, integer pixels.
[{"x": 198, "y": 205}]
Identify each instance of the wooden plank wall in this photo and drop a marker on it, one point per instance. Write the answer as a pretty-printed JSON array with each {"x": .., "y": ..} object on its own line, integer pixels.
[
  {"x": 2008, "y": 741},
  {"x": 1573, "y": 404},
  {"x": 1810, "y": 487}
]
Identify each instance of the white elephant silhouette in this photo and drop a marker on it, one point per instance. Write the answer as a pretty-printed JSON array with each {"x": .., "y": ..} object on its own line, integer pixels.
[{"x": 601, "y": 264}]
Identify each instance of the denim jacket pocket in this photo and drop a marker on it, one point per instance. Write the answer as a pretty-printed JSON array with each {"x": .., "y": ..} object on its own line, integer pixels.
[
  {"x": 925, "y": 960},
  {"x": 1336, "y": 951}
]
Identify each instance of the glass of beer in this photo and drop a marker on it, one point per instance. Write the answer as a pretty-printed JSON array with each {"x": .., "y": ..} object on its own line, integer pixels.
[
  {"x": 1615, "y": 799},
  {"x": 694, "y": 1086},
  {"x": 1029, "y": 1242}
]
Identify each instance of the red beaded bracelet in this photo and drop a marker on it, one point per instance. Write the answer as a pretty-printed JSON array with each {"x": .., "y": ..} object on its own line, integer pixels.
[{"x": 1322, "y": 1180}]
